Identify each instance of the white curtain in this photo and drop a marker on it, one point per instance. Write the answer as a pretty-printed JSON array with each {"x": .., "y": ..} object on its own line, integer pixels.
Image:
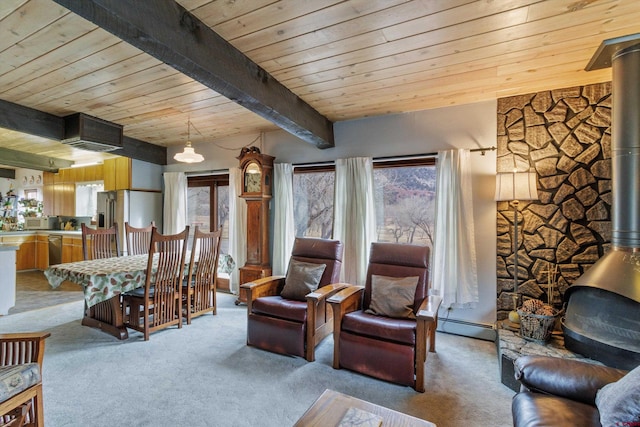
[
  {"x": 354, "y": 216},
  {"x": 175, "y": 202},
  {"x": 454, "y": 272},
  {"x": 283, "y": 225},
  {"x": 237, "y": 227}
]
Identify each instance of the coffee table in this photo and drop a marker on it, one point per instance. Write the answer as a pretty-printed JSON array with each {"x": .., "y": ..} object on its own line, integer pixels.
[{"x": 331, "y": 406}]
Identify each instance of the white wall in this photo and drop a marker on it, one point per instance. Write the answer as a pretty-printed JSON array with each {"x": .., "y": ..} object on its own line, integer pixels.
[{"x": 467, "y": 126}]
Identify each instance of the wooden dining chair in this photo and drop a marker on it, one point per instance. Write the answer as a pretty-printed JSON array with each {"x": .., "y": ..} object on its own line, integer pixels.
[
  {"x": 138, "y": 238},
  {"x": 100, "y": 243},
  {"x": 158, "y": 304},
  {"x": 199, "y": 290},
  {"x": 21, "y": 357}
]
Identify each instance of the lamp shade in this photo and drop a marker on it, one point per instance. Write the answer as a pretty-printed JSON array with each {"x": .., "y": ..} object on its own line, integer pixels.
[
  {"x": 188, "y": 155},
  {"x": 516, "y": 186}
]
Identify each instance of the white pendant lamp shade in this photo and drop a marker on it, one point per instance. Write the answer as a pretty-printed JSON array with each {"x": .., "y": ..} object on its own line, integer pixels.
[{"x": 188, "y": 155}]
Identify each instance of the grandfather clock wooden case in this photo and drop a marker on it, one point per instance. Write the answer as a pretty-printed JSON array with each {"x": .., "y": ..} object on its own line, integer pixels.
[{"x": 257, "y": 174}]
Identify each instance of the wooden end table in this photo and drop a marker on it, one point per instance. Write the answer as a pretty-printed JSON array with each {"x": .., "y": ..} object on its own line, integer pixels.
[{"x": 330, "y": 407}]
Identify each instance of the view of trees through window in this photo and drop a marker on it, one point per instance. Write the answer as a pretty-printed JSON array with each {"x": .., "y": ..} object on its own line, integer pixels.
[
  {"x": 404, "y": 198},
  {"x": 313, "y": 203},
  {"x": 206, "y": 201}
]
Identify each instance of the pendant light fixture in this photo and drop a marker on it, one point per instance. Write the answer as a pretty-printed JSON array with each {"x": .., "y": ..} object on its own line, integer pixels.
[{"x": 188, "y": 155}]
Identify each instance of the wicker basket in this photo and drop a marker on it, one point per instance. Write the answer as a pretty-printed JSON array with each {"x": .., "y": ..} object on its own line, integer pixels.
[{"x": 536, "y": 327}]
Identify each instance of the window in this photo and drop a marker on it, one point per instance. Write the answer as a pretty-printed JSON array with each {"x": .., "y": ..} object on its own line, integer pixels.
[
  {"x": 208, "y": 205},
  {"x": 404, "y": 198},
  {"x": 313, "y": 201},
  {"x": 87, "y": 198}
]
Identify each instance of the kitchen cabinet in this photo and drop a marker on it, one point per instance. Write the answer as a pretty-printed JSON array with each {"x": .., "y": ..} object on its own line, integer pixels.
[
  {"x": 72, "y": 249},
  {"x": 26, "y": 253},
  {"x": 42, "y": 252},
  {"x": 117, "y": 174},
  {"x": 59, "y": 189}
]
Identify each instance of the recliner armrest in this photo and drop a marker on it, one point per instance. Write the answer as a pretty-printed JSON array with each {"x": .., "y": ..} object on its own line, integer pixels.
[
  {"x": 326, "y": 292},
  {"x": 572, "y": 379},
  {"x": 347, "y": 300},
  {"x": 429, "y": 308},
  {"x": 267, "y": 286}
]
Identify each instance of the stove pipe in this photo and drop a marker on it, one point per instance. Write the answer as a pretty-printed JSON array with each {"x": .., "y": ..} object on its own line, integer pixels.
[
  {"x": 619, "y": 270},
  {"x": 602, "y": 319}
]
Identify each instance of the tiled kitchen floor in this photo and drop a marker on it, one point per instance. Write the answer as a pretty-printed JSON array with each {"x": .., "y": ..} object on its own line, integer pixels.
[{"x": 33, "y": 292}]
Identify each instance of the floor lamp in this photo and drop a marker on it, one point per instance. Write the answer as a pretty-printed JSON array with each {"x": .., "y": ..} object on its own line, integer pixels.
[{"x": 513, "y": 187}]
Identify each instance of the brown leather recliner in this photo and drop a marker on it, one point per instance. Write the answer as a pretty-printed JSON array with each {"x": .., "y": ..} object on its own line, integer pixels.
[
  {"x": 559, "y": 392},
  {"x": 289, "y": 326},
  {"x": 389, "y": 348}
]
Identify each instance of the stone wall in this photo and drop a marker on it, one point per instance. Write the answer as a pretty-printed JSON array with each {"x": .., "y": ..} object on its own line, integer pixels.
[{"x": 565, "y": 136}]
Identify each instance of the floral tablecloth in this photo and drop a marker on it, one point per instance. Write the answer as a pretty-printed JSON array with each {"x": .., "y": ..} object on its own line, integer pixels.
[{"x": 101, "y": 279}]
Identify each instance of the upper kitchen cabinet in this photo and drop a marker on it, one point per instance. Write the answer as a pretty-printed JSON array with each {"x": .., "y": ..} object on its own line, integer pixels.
[
  {"x": 123, "y": 173},
  {"x": 117, "y": 174},
  {"x": 59, "y": 189}
]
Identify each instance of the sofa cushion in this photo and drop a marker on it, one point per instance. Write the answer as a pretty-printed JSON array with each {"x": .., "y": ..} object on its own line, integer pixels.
[
  {"x": 17, "y": 378},
  {"x": 530, "y": 409},
  {"x": 276, "y": 306},
  {"x": 393, "y": 296},
  {"x": 386, "y": 328},
  {"x": 302, "y": 278},
  {"x": 619, "y": 402}
]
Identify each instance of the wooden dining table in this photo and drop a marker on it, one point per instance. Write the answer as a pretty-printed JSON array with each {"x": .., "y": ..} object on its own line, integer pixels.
[{"x": 103, "y": 280}]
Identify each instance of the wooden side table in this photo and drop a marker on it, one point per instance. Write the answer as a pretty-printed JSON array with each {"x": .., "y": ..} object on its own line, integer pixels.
[{"x": 330, "y": 407}]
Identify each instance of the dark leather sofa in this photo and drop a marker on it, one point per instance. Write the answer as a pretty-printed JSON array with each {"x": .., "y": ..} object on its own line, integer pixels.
[{"x": 559, "y": 392}]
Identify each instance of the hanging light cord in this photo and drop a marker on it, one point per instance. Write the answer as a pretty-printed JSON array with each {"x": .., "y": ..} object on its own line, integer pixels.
[{"x": 220, "y": 146}]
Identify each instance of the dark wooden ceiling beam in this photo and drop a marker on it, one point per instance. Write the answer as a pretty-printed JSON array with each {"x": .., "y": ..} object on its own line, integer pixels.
[
  {"x": 34, "y": 122},
  {"x": 27, "y": 120},
  {"x": 168, "y": 32}
]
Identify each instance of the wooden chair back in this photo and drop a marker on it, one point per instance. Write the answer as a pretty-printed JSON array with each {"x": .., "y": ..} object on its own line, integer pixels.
[
  {"x": 28, "y": 405},
  {"x": 100, "y": 243},
  {"x": 138, "y": 238},
  {"x": 163, "y": 283},
  {"x": 200, "y": 294}
]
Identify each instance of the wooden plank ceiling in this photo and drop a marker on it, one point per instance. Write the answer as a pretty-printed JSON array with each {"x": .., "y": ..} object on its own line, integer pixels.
[{"x": 346, "y": 59}]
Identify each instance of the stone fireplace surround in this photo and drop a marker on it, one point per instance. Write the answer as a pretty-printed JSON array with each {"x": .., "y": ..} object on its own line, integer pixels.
[{"x": 565, "y": 136}]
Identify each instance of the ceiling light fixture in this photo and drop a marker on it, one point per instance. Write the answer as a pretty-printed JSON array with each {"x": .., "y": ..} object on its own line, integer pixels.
[{"x": 188, "y": 155}]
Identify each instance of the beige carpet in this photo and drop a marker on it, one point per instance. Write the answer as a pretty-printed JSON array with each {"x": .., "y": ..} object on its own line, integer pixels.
[{"x": 205, "y": 375}]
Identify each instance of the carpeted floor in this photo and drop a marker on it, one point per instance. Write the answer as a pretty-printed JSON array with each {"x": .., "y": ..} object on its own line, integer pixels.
[{"x": 205, "y": 375}]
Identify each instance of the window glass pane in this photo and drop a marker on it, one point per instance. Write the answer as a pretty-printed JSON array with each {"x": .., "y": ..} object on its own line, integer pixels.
[
  {"x": 405, "y": 198},
  {"x": 313, "y": 204},
  {"x": 223, "y": 217},
  {"x": 199, "y": 207},
  {"x": 87, "y": 198}
]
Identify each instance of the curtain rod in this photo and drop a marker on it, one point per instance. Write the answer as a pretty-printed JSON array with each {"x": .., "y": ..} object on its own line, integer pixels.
[{"x": 481, "y": 150}]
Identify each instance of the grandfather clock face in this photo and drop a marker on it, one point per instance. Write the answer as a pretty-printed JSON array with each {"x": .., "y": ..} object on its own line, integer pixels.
[{"x": 253, "y": 178}]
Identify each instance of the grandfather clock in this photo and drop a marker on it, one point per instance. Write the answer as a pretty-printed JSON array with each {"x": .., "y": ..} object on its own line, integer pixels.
[{"x": 257, "y": 176}]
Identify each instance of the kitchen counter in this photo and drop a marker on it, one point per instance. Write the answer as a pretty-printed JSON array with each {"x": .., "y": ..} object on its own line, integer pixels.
[
  {"x": 40, "y": 233},
  {"x": 7, "y": 278}
]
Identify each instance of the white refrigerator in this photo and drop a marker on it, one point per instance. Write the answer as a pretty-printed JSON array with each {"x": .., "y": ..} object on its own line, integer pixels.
[{"x": 138, "y": 208}]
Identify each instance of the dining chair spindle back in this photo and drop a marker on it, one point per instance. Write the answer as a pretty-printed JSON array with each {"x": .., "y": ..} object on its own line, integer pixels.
[
  {"x": 158, "y": 304},
  {"x": 138, "y": 238},
  {"x": 100, "y": 243},
  {"x": 199, "y": 291}
]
